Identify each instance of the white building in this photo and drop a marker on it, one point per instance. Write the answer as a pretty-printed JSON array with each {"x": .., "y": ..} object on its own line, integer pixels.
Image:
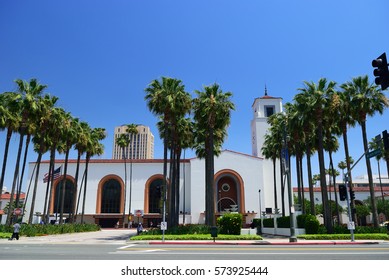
[{"x": 243, "y": 182}]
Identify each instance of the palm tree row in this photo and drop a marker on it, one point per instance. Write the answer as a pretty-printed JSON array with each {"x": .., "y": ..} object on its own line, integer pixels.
[
  {"x": 33, "y": 114},
  {"x": 167, "y": 99},
  {"x": 320, "y": 114}
]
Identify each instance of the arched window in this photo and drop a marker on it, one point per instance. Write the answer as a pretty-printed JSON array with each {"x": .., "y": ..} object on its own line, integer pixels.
[
  {"x": 155, "y": 194},
  {"x": 110, "y": 198},
  {"x": 69, "y": 188}
]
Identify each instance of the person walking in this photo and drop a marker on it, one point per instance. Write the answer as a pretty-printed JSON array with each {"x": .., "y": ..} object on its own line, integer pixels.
[
  {"x": 139, "y": 228},
  {"x": 16, "y": 229}
]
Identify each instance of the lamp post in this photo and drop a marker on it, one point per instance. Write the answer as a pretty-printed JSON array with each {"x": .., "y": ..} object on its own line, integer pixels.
[{"x": 260, "y": 209}]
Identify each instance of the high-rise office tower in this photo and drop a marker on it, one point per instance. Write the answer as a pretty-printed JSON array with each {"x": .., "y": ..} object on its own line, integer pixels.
[{"x": 141, "y": 145}]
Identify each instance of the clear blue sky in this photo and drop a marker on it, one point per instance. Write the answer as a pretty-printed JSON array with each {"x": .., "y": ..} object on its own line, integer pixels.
[{"x": 99, "y": 56}]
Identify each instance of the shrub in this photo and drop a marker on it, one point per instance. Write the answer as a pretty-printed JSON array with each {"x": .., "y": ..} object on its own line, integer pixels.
[
  {"x": 230, "y": 223},
  {"x": 311, "y": 224},
  {"x": 283, "y": 222},
  {"x": 268, "y": 222},
  {"x": 301, "y": 219}
]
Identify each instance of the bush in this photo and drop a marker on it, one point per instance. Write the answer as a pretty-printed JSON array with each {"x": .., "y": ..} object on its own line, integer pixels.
[
  {"x": 180, "y": 230},
  {"x": 301, "y": 219},
  {"x": 311, "y": 224},
  {"x": 37, "y": 229},
  {"x": 268, "y": 222},
  {"x": 283, "y": 222},
  {"x": 230, "y": 223},
  {"x": 370, "y": 236}
]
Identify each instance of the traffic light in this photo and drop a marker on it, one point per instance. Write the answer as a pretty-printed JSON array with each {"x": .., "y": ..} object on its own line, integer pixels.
[
  {"x": 352, "y": 195},
  {"x": 385, "y": 138},
  {"x": 342, "y": 192},
  {"x": 381, "y": 71}
]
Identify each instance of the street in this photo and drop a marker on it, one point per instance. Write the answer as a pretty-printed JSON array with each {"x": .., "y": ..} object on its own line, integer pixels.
[{"x": 107, "y": 251}]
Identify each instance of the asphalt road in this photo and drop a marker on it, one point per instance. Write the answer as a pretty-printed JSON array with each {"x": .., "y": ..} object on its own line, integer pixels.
[{"x": 115, "y": 245}]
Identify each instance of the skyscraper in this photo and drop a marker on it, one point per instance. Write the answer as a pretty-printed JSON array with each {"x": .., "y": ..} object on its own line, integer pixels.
[{"x": 141, "y": 145}]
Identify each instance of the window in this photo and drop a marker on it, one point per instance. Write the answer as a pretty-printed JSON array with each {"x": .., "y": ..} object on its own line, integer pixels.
[
  {"x": 68, "y": 197},
  {"x": 155, "y": 194},
  {"x": 110, "y": 199},
  {"x": 269, "y": 110}
]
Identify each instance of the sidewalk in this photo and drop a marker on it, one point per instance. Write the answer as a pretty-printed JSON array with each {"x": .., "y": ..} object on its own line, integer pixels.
[{"x": 121, "y": 236}]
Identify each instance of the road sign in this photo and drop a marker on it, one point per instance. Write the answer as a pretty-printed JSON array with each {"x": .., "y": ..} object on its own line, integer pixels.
[
  {"x": 17, "y": 211},
  {"x": 373, "y": 153},
  {"x": 164, "y": 226},
  {"x": 139, "y": 213}
]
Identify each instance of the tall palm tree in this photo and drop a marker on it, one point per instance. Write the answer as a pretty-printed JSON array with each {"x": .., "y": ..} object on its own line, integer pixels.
[
  {"x": 68, "y": 140},
  {"x": 123, "y": 141},
  {"x": 168, "y": 100},
  {"x": 94, "y": 147},
  {"x": 81, "y": 147},
  {"x": 41, "y": 140},
  {"x": 317, "y": 97},
  {"x": 29, "y": 105},
  {"x": 132, "y": 130},
  {"x": 366, "y": 100},
  {"x": 342, "y": 113},
  {"x": 9, "y": 120},
  {"x": 212, "y": 113}
]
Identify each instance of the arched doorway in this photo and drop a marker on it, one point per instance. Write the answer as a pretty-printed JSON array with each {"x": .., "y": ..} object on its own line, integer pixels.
[
  {"x": 229, "y": 192},
  {"x": 110, "y": 202},
  {"x": 153, "y": 205},
  {"x": 57, "y": 195},
  {"x": 110, "y": 196}
]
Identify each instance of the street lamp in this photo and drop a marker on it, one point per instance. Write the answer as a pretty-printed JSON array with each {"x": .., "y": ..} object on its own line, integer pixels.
[{"x": 260, "y": 209}]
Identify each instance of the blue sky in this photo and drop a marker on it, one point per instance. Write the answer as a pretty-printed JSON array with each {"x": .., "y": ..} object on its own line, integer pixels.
[{"x": 98, "y": 56}]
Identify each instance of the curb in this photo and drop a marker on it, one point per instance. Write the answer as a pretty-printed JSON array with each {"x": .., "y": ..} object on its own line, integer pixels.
[{"x": 263, "y": 243}]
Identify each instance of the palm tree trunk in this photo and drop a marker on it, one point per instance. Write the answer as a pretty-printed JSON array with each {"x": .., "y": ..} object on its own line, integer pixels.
[
  {"x": 370, "y": 176},
  {"x": 323, "y": 184},
  {"x": 74, "y": 199},
  {"x": 125, "y": 188},
  {"x": 302, "y": 186},
  {"x": 282, "y": 188},
  {"x": 16, "y": 176},
  {"x": 85, "y": 184},
  {"x": 19, "y": 189},
  {"x": 32, "y": 208},
  {"x": 350, "y": 177},
  {"x": 46, "y": 207},
  {"x": 275, "y": 183},
  {"x": 177, "y": 195},
  {"x": 62, "y": 206},
  {"x": 7, "y": 141},
  {"x": 210, "y": 184}
]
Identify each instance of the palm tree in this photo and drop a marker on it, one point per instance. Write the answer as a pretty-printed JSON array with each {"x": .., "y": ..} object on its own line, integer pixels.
[
  {"x": 376, "y": 144},
  {"x": 132, "y": 130},
  {"x": 41, "y": 140},
  {"x": 317, "y": 98},
  {"x": 168, "y": 100},
  {"x": 366, "y": 100},
  {"x": 68, "y": 140},
  {"x": 123, "y": 141},
  {"x": 342, "y": 113},
  {"x": 212, "y": 113},
  {"x": 9, "y": 119},
  {"x": 94, "y": 147},
  {"x": 29, "y": 105},
  {"x": 81, "y": 147}
]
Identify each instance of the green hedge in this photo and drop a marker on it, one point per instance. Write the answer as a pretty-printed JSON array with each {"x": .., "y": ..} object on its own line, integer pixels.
[
  {"x": 283, "y": 222},
  {"x": 37, "y": 229},
  {"x": 196, "y": 237},
  {"x": 370, "y": 236},
  {"x": 268, "y": 222}
]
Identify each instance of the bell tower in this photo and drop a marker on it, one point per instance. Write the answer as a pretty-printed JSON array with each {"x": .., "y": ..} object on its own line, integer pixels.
[
  {"x": 263, "y": 107},
  {"x": 270, "y": 181}
]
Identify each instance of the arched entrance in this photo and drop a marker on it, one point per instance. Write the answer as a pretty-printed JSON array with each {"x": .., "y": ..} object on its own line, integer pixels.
[
  {"x": 110, "y": 201},
  {"x": 229, "y": 192},
  {"x": 153, "y": 201},
  {"x": 57, "y": 196}
]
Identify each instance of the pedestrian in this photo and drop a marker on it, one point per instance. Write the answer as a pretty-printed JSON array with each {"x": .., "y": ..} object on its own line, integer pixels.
[
  {"x": 130, "y": 224},
  {"x": 15, "y": 233},
  {"x": 139, "y": 228}
]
